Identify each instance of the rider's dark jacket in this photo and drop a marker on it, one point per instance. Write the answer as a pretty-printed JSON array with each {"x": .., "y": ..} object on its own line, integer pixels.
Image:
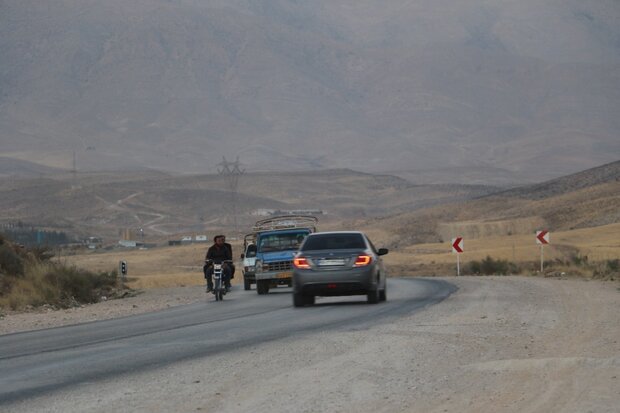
[{"x": 218, "y": 254}]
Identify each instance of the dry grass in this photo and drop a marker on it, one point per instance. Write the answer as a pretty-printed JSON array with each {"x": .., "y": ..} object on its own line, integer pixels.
[
  {"x": 24, "y": 291},
  {"x": 57, "y": 285},
  {"x": 158, "y": 267},
  {"x": 599, "y": 244},
  {"x": 182, "y": 265}
]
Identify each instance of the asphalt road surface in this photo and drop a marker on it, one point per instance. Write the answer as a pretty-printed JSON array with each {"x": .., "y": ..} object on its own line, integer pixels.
[{"x": 46, "y": 361}]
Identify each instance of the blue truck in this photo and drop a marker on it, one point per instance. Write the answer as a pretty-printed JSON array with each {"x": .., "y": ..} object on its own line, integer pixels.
[{"x": 277, "y": 241}]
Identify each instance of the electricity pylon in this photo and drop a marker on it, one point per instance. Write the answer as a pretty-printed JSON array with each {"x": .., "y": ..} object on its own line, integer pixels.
[{"x": 231, "y": 171}]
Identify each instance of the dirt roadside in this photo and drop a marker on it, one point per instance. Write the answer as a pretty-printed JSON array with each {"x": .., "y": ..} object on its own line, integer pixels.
[
  {"x": 142, "y": 302},
  {"x": 509, "y": 344}
]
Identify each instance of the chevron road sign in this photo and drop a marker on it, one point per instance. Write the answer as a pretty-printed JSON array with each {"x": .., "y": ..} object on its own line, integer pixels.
[
  {"x": 457, "y": 245},
  {"x": 542, "y": 237}
]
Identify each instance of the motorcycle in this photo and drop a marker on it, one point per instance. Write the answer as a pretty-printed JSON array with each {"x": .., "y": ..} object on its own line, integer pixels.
[{"x": 219, "y": 286}]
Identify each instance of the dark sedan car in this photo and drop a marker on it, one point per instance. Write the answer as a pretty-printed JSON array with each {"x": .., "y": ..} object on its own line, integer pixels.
[{"x": 338, "y": 263}]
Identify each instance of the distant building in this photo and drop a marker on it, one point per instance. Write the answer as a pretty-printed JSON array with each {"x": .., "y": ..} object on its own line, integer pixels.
[
  {"x": 262, "y": 212},
  {"x": 279, "y": 212},
  {"x": 93, "y": 242}
]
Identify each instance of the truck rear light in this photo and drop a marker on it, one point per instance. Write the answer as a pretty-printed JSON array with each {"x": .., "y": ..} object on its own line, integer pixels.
[
  {"x": 362, "y": 260},
  {"x": 301, "y": 263}
]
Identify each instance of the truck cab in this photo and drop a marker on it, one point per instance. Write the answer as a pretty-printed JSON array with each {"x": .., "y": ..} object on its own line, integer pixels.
[{"x": 277, "y": 241}]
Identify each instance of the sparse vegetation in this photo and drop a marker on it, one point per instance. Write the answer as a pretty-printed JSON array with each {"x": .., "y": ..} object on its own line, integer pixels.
[
  {"x": 490, "y": 266},
  {"x": 609, "y": 269},
  {"x": 30, "y": 278},
  {"x": 10, "y": 261}
]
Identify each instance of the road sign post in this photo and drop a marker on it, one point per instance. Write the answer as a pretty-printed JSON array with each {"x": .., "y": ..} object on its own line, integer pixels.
[
  {"x": 122, "y": 269},
  {"x": 542, "y": 238},
  {"x": 457, "y": 247}
]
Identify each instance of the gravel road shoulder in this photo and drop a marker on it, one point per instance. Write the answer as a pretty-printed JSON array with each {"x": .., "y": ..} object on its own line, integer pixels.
[{"x": 142, "y": 302}]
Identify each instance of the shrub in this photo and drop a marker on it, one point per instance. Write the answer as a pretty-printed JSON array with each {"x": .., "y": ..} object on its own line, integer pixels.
[
  {"x": 578, "y": 260},
  {"x": 29, "y": 278},
  {"x": 474, "y": 267},
  {"x": 490, "y": 266},
  {"x": 41, "y": 253},
  {"x": 75, "y": 285},
  {"x": 10, "y": 262},
  {"x": 56, "y": 285},
  {"x": 613, "y": 265}
]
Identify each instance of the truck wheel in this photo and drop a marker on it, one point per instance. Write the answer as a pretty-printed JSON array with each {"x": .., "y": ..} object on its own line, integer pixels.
[
  {"x": 247, "y": 285},
  {"x": 262, "y": 287}
]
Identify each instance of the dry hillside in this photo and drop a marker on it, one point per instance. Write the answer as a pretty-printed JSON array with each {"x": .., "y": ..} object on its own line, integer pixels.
[
  {"x": 586, "y": 199},
  {"x": 580, "y": 210},
  {"x": 163, "y": 205}
]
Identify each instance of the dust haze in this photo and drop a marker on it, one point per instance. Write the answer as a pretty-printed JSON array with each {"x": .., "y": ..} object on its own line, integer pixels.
[{"x": 526, "y": 89}]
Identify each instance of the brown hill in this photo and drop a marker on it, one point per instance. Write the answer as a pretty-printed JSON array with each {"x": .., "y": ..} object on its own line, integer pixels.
[
  {"x": 401, "y": 212},
  {"x": 162, "y": 204},
  {"x": 586, "y": 199}
]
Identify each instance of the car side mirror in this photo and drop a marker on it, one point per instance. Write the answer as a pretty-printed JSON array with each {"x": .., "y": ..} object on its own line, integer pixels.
[
  {"x": 242, "y": 256},
  {"x": 383, "y": 251}
]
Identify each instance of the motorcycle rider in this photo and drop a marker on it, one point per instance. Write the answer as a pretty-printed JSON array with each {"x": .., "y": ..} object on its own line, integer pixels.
[
  {"x": 217, "y": 253},
  {"x": 232, "y": 266}
]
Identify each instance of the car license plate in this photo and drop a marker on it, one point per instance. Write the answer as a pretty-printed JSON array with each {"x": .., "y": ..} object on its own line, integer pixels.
[
  {"x": 327, "y": 262},
  {"x": 286, "y": 274}
]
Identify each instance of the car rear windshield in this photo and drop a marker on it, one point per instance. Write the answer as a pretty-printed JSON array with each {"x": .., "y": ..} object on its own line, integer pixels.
[{"x": 334, "y": 242}]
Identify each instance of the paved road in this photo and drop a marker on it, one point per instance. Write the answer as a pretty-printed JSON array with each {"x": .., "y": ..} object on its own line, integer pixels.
[{"x": 38, "y": 362}]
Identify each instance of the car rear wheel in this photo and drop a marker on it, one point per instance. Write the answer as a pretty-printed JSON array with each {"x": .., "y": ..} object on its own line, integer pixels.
[
  {"x": 247, "y": 285},
  {"x": 383, "y": 293},
  {"x": 302, "y": 300},
  {"x": 373, "y": 297}
]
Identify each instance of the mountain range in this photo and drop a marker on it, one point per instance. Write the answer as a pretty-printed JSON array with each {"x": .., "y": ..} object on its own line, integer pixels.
[{"x": 529, "y": 87}]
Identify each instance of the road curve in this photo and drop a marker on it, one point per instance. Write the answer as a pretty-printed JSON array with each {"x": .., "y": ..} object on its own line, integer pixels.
[{"x": 43, "y": 361}]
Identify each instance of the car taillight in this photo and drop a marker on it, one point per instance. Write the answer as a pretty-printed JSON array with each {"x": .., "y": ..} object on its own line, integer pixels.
[
  {"x": 362, "y": 260},
  {"x": 301, "y": 263}
]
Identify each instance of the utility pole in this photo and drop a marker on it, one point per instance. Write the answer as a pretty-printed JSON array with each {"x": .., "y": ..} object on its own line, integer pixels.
[
  {"x": 74, "y": 183},
  {"x": 232, "y": 171}
]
